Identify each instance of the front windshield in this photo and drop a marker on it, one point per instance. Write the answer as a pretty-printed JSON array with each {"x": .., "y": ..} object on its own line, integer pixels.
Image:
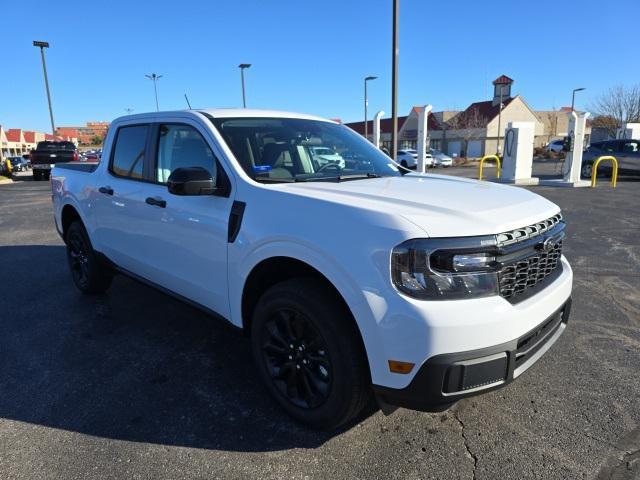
[{"x": 293, "y": 150}]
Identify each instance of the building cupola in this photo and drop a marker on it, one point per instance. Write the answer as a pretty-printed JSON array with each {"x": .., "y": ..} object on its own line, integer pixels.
[{"x": 501, "y": 86}]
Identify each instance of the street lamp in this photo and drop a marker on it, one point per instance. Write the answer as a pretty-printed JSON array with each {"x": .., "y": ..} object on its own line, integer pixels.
[
  {"x": 499, "y": 120},
  {"x": 573, "y": 96},
  {"x": 154, "y": 78},
  {"x": 242, "y": 66},
  {"x": 366, "y": 104},
  {"x": 394, "y": 81},
  {"x": 42, "y": 46}
]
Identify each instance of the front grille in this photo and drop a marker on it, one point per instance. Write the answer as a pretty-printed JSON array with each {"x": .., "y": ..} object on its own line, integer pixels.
[
  {"x": 530, "y": 231},
  {"x": 525, "y": 268}
]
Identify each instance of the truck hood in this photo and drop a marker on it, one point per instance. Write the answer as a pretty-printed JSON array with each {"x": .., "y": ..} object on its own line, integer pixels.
[{"x": 441, "y": 205}]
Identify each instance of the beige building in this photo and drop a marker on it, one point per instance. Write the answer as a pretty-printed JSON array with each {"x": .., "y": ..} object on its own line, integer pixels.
[{"x": 476, "y": 131}]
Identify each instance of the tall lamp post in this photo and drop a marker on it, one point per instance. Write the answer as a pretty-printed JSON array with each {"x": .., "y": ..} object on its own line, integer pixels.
[
  {"x": 573, "y": 96},
  {"x": 42, "y": 46},
  {"x": 242, "y": 66},
  {"x": 366, "y": 104},
  {"x": 499, "y": 121},
  {"x": 394, "y": 82},
  {"x": 154, "y": 78}
]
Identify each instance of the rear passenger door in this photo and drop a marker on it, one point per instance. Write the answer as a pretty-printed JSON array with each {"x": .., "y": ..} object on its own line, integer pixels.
[
  {"x": 123, "y": 227},
  {"x": 187, "y": 253}
]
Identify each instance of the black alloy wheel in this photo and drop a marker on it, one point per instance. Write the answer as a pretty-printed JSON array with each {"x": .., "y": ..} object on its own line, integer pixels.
[
  {"x": 297, "y": 358},
  {"x": 78, "y": 256}
]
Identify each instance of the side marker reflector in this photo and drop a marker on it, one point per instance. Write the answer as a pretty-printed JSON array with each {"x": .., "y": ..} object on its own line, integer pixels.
[{"x": 400, "y": 367}]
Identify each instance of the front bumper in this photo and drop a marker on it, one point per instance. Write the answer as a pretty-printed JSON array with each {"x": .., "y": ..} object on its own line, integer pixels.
[{"x": 446, "y": 378}]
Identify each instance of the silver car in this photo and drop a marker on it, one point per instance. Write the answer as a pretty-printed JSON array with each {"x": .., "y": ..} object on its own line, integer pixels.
[{"x": 626, "y": 151}]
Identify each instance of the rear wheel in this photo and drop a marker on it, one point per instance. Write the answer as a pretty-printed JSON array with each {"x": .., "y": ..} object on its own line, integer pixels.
[
  {"x": 36, "y": 175},
  {"x": 404, "y": 163},
  {"x": 586, "y": 170},
  {"x": 89, "y": 274},
  {"x": 309, "y": 353}
]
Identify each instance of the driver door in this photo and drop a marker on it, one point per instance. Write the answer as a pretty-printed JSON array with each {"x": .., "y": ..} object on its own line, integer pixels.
[{"x": 188, "y": 254}]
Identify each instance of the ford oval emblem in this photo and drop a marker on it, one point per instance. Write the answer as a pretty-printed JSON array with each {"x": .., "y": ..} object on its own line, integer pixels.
[{"x": 548, "y": 244}]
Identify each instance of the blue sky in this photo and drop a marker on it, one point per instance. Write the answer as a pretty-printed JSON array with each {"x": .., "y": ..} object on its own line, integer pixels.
[{"x": 308, "y": 56}]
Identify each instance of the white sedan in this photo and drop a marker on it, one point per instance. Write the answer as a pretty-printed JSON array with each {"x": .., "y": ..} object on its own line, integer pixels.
[
  {"x": 409, "y": 159},
  {"x": 440, "y": 159}
]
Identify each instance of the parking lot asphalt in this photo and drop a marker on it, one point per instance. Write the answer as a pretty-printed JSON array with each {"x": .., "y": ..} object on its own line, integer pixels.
[{"x": 134, "y": 384}]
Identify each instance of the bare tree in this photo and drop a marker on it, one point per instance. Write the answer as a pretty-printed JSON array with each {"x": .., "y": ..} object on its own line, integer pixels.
[
  {"x": 469, "y": 125},
  {"x": 615, "y": 107}
]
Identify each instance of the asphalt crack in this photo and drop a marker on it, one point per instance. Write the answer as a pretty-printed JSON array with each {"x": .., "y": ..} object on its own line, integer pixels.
[{"x": 465, "y": 442}]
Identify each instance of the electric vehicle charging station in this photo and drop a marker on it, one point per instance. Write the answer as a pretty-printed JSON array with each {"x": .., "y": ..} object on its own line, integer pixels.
[
  {"x": 573, "y": 161},
  {"x": 423, "y": 116},
  {"x": 517, "y": 162},
  {"x": 376, "y": 128}
]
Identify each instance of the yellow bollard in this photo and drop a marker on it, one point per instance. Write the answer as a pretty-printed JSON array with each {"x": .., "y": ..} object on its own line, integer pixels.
[
  {"x": 490, "y": 157},
  {"x": 614, "y": 174}
]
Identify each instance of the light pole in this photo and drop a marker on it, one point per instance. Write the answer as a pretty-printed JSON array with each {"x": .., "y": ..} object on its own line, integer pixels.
[
  {"x": 154, "y": 78},
  {"x": 394, "y": 82},
  {"x": 499, "y": 120},
  {"x": 242, "y": 66},
  {"x": 573, "y": 96},
  {"x": 128, "y": 110},
  {"x": 42, "y": 46},
  {"x": 366, "y": 104}
]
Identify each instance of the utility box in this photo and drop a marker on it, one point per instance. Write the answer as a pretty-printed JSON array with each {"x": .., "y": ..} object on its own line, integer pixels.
[
  {"x": 517, "y": 162},
  {"x": 630, "y": 131}
]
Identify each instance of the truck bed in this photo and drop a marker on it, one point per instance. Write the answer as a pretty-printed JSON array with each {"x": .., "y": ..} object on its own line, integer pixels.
[{"x": 87, "y": 167}]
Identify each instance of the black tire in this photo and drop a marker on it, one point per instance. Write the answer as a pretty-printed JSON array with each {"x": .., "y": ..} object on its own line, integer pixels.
[
  {"x": 403, "y": 163},
  {"x": 89, "y": 274},
  {"x": 586, "y": 170},
  {"x": 36, "y": 176},
  {"x": 46, "y": 176},
  {"x": 301, "y": 331}
]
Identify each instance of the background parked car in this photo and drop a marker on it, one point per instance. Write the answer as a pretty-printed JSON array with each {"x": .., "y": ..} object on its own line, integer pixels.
[
  {"x": 19, "y": 164},
  {"x": 440, "y": 159},
  {"x": 626, "y": 151},
  {"x": 409, "y": 158},
  {"x": 555, "y": 146},
  {"x": 323, "y": 156}
]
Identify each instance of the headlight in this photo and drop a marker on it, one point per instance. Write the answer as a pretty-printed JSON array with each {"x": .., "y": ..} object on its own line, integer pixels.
[{"x": 446, "y": 269}]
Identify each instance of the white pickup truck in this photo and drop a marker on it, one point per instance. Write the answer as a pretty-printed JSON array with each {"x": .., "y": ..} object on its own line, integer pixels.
[{"x": 353, "y": 281}]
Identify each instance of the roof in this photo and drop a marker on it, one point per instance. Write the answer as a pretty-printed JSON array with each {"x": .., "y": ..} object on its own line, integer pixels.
[
  {"x": 503, "y": 80},
  {"x": 486, "y": 109},
  {"x": 14, "y": 135},
  {"x": 29, "y": 137},
  {"x": 226, "y": 113},
  {"x": 387, "y": 123}
]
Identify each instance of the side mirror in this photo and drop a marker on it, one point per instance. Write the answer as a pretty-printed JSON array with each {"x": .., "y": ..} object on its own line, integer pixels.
[{"x": 191, "y": 181}]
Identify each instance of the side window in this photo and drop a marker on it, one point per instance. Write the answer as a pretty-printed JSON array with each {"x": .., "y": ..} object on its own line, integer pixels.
[
  {"x": 128, "y": 155},
  {"x": 181, "y": 146}
]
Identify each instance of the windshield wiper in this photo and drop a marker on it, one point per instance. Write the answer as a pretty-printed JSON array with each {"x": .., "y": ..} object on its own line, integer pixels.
[
  {"x": 275, "y": 180},
  {"x": 340, "y": 178}
]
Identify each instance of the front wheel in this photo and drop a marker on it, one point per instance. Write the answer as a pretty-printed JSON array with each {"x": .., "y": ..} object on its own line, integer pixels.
[
  {"x": 89, "y": 274},
  {"x": 309, "y": 353},
  {"x": 587, "y": 170}
]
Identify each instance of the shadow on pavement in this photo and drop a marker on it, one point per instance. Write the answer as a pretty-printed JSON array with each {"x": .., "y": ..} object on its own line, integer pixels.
[{"x": 132, "y": 364}]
